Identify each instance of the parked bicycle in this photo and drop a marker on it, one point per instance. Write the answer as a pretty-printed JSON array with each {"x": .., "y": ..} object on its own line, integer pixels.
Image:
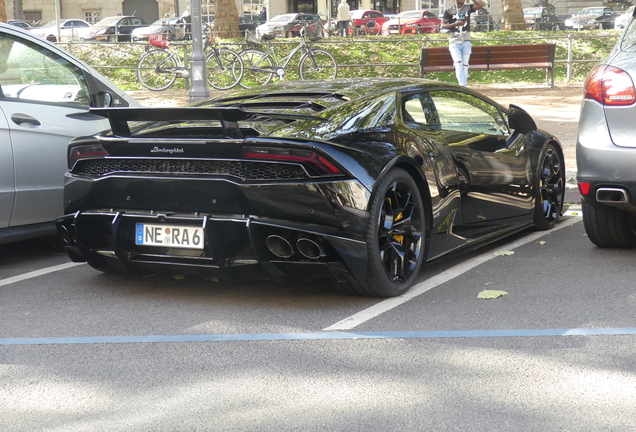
[
  {"x": 159, "y": 67},
  {"x": 220, "y": 62},
  {"x": 261, "y": 66}
]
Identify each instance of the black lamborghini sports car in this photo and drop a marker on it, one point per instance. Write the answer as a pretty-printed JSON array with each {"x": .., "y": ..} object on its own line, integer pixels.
[{"x": 357, "y": 180}]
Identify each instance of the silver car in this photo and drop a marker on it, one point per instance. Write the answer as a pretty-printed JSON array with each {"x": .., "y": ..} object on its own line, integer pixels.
[
  {"x": 606, "y": 147},
  {"x": 45, "y": 96}
]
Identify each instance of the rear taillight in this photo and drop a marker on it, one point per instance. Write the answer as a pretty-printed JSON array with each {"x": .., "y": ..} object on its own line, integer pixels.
[
  {"x": 318, "y": 163},
  {"x": 610, "y": 86},
  {"x": 84, "y": 152}
]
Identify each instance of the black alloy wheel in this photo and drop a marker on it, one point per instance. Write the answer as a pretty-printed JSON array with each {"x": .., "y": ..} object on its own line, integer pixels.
[
  {"x": 394, "y": 238},
  {"x": 550, "y": 188}
]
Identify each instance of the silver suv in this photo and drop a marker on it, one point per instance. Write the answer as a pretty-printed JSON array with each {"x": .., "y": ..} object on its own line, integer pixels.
[{"x": 606, "y": 147}]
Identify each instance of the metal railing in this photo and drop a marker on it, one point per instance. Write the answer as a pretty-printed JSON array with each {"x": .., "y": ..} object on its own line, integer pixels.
[{"x": 568, "y": 44}]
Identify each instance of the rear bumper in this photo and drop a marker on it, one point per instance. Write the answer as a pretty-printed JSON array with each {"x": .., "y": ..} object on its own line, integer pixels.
[
  {"x": 604, "y": 165},
  {"x": 234, "y": 248}
]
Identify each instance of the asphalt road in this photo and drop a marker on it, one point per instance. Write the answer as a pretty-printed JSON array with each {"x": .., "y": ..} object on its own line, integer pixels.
[{"x": 85, "y": 351}]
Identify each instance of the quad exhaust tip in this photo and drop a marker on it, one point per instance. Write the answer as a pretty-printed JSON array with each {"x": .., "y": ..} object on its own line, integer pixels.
[
  {"x": 309, "y": 248},
  {"x": 282, "y": 248},
  {"x": 279, "y": 246}
]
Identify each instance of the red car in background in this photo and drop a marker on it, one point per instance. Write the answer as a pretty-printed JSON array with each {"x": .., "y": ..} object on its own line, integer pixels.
[
  {"x": 412, "y": 22},
  {"x": 367, "y": 21}
]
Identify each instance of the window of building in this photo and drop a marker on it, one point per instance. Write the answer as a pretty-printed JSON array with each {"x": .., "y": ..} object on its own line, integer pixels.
[
  {"x": 92, "y": 16},
  {"x": 32, "y": 16}
]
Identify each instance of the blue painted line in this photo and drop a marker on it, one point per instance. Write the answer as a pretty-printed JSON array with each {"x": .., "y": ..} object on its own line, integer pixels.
[{"x": 319, "y": 336}]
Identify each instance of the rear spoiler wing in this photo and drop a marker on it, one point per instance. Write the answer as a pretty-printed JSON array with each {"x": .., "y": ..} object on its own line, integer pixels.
[{"x": 227, "y": 116}]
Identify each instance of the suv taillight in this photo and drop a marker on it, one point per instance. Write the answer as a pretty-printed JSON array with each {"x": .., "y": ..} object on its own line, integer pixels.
[{"x": 610, "y": 86}]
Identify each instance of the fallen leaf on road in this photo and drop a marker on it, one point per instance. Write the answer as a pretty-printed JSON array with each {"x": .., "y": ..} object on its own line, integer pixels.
[
  {"x": 502, "y": 253},
  {"x": 490, "y": 294},
  {"x": 541, "y": 242}
]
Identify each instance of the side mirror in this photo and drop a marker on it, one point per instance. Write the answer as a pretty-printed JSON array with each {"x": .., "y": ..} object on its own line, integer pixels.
[
  {"x": 520, "y": 120},
  {"x": 103, "y": 99}
]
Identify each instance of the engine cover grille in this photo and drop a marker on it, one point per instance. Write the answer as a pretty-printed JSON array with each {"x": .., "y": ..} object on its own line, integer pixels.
[{"x": 240, "y": 169}]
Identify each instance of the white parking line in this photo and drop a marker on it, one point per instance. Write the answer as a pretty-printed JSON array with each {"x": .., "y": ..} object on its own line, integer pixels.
[
  {"x": 37, "y": 273},
  {"x": 419, "y": 289}
]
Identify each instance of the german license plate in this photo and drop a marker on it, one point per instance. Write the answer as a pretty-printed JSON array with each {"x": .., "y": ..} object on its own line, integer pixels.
[
  {"x": 185, "y": 237},
  {"x": 394, "y": 31}
]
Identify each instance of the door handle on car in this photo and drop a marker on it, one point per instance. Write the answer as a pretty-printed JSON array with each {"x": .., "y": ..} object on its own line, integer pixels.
[{"x": 23, "y": 119}]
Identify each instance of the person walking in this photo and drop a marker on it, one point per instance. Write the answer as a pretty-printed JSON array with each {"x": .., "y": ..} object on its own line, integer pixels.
[
  {"x": 457, "y": 21},
  {"x": 343, "y": 18}
]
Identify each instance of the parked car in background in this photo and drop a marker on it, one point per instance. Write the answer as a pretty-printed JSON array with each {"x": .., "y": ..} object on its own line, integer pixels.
[
  {"x": 412, "y": 22},
  {"x": 172, "y": 28},
  {"x": 286, "y": 25},
  {"x": 45, "y": 99},
  {"x": 365, "y": 21},
  {"x": 113, "y": 29},
  {"x": 606, "y": 147},
  {"x": 21, "y": 24},
  {"x": 70, "y": 30},
  {"x": 622, "y": 20},
  {"x": 542, "y": 18},
  {"x": 355, "y": 181},
  {"x": 592, "y": 18},
  {"x": 481, "y": 21}
]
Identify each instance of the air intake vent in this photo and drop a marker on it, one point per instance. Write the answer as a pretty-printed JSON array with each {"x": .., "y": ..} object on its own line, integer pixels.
[{"x": 239, "y": 169}]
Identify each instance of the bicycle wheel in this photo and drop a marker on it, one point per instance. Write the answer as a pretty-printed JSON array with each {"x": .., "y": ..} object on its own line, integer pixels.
[
  {"x": 157, "y": 70},
  {"x": 257, "y": 70},
  {"x": 316, "y": 65},
  {"x": 225, "y": 70}
]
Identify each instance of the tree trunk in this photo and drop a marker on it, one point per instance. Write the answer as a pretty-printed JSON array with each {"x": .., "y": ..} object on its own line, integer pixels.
[
  {"x": 3, "y": 12},
  {"x": 512, "y": 16},
  {"x": 225, "y": 19}
]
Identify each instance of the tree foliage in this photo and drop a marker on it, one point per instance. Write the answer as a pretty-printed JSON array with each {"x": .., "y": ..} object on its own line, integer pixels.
[{"x": 226, "y": 19}]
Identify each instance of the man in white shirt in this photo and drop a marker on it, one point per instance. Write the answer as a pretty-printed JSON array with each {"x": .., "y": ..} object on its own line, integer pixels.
[
  {"x": 457, "y": 21},
  {"x": 343, "y": 18}
]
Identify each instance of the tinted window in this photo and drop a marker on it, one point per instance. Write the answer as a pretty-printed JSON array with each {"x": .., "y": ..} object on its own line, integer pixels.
[{"x": 463, "y": 112}]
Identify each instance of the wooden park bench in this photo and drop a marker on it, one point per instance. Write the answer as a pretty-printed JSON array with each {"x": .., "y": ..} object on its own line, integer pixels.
[{"x": 492, "y": 57}]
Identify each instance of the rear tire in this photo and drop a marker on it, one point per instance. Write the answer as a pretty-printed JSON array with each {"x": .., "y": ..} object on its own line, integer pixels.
[
  {"x": 394, "y": 238},
  {"x": 156, "y": 70},
  {"x": 325, "y": 67},
  {"x": 609, "y": 227},
  {"x": 226, "y": 71},
  {"x": 257, "y": 68}
]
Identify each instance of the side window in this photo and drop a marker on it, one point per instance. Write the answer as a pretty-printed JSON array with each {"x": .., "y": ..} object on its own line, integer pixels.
[
  {"x": 419, "y": 110},
  {"x": 31, "y": 72},
  {"x": 462, "y": 112}
]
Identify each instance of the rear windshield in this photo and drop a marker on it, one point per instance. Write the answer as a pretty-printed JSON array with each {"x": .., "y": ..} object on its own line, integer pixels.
[{"x": 628, "y": 43}]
